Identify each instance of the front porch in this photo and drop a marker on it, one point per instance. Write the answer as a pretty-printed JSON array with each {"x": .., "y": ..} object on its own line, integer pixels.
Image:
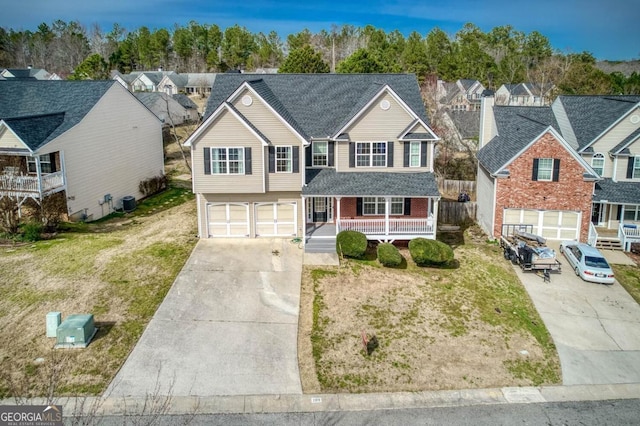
[
  {"x": 23, "y": 177},
  {"x": 614, "y": 239}
]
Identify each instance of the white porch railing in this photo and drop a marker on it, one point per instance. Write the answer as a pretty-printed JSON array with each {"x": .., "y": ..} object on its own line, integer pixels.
[
  {"x": 628, "y": 234},
  {"x": 21, "y": 184},
  {"x": 377, "y": 227}
]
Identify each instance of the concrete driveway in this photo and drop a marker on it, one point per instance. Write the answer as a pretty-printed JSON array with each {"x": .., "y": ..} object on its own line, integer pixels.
[
  {"x": 596, "y": 328},
  {"x": 228, "y": 326}
]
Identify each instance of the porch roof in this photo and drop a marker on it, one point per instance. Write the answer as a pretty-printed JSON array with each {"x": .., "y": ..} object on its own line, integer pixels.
[
  {"x": 617, "y": 192},
  {"x": 359, "y": 184}
]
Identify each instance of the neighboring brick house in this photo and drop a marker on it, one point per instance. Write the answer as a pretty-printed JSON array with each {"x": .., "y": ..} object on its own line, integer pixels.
[
  {"x": 93, "y": 141},
  {"x": 570, "y": 170},
  {"x": 291, "y": 155}
]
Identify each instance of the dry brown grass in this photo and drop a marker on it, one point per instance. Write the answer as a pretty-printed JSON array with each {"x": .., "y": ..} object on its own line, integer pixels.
[{"x": 437, "y": 328}]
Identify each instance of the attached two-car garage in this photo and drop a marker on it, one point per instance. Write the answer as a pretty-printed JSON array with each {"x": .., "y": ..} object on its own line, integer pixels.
[
  {"x": 247, "y": 219},
  {"x": 551, "y": 224}
]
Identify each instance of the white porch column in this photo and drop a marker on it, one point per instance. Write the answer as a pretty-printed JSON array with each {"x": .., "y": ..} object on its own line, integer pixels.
[
  {"x": 387, "y": 208},
  {"x": 304, "y": 217},
  {"x": 39, "y": 174},
  {"x": 338, "y": 215},
  {"x": 435, "y": 216}
]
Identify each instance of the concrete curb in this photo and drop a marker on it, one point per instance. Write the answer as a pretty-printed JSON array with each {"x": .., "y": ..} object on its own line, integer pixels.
[{"x": 247, "y": 404}]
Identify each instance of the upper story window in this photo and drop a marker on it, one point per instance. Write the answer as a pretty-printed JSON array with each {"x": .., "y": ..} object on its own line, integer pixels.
[
  {"x": 546, "y": 169},
  {"x": 636, "y": 167},
  {"x": 414, "y": 154},
  {"x": 45, "y": 164},
  {"x": 284, "y": 161},
  {"x": 597, "y": 163},
  {"x": 229, "y": 161},
  {"x": 371, "y": 154},
  {"x": 320, "y": 153}
]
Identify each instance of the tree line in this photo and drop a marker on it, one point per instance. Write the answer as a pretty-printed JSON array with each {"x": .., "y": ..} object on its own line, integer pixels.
[{"x": 501, "y": 55}]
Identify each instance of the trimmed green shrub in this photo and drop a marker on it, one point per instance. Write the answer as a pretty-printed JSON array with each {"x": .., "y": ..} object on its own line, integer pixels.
[
  {"x": 430, "y": 252},
  {"x": 389, "y": 255},
  {"x": 351, "y": 244},
  {"x": 31, "y": 231}
]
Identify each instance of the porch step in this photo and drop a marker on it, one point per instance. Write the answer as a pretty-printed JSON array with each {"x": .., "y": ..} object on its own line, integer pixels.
[
  {"x": 320, "y": 245},
  {"x": 609, "y": 243}
]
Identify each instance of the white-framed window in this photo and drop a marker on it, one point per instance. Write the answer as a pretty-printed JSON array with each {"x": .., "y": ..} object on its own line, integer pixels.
[
  {"x": 545, "y": 169},
  {"x": 631, "y": 213},
  {"x": 45, "y": 164},
  {"x": 597, "y": 163},
  {"x": 414, "y": 154},
  {"x": 636, "y": 168},
  {"x": 227, "y": 161},
  {"x": 284, "y": 161},
  {"x": 371, "y": 154},
  {"x": 376, "y": 206},
  {"x": 320, "y": 153}
]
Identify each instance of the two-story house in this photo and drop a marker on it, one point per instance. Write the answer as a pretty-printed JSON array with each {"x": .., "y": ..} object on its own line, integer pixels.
[
  {"x": 91, "y": 140},
  {"x": 291, "y": 155},
  {"x": 460, "y": 95},
  {"x": 571, "y": 170},
  {"x": 524, "y": 94}
]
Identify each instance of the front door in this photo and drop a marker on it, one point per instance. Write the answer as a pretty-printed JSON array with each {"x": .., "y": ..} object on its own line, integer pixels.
[
  {"x": 598, "y": 214},
  {"x": 320, "y": 209}
]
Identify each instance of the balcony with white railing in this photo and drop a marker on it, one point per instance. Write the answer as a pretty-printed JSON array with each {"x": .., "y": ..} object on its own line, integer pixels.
[
  {"x": 628, "y": 233},
  {"x": 31, "y": 185},
  {"x": 393, "y": 229}
]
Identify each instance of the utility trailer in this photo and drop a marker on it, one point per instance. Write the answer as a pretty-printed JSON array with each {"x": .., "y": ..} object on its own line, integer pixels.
[{"x": 528, "y": 250}]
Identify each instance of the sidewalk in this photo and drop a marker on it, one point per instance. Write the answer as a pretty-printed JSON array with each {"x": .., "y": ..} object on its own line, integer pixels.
[{"x": 340, "y": 402}]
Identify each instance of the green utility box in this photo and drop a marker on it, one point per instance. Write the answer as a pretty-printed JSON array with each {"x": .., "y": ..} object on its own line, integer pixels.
[{"x": 76, "y": 331}]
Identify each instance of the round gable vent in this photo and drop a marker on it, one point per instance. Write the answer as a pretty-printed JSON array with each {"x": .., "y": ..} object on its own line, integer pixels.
[
  {"x": 385, "y": 105},
  {"x": 246, "y": 100},
  {"x": 635, "y": 119}
]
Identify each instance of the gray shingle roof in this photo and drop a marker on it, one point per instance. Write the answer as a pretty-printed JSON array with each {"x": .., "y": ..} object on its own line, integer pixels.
[
  {"x": 517, "y": 127},
  {"x": 626, "y": 141},
  {"x": 330, "y": 182},
  {"x": 617, "y": 192},
  {"x": 591, "y": 115},
  {"x": 319, "y": 104},
  {"x": 185, "y": 101},
  {"x": 35, "y": 100},
  {"x": 467, "y": 123}
]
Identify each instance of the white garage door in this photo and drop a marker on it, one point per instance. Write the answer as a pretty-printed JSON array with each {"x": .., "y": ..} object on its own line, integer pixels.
[
  {"x": 551, "y": 224},
  {"x": 276, "y": 219},
  {"x": 228, "y": 219}
]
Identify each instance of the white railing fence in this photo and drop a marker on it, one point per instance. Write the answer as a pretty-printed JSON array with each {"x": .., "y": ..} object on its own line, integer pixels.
[
  {"x": 628, "y": 234},
  {"x": 26, "y": 183},
  {"x": 396, "y": 226}
]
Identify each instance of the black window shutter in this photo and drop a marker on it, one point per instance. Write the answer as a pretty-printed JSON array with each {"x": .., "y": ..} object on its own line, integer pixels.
[
  {"x": 332, "y": 154},
  {"x": 358, "y": 206},
  {"x": 296, "y": 159},
  {"x": 272, "y": 159},
  {"x": 52, "y": 159},
  {"x": 407, "y": 206},
  {"x": 352, "y": 154},
  {"x": 630, "y": 167},
  {"x": 556, "y": 169},
  {"x": 407, "y": 152},
  {"x": 619, "y": 212},
  {"x": 534, "y": 175},
  {"x": 423, "y": 153},
  {"x": 390, "y": 154},
  {"x": 247, "y": 161},
  {"x": 308, "y": 158},
  {"x": 207, "y": 161}
]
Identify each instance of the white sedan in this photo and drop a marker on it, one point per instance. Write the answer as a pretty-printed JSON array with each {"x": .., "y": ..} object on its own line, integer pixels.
[{"x": 587, "y": 262}]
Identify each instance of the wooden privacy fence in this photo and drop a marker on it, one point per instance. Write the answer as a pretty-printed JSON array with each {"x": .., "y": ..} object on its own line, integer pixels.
[
  {"x": 448, "y": 186},
  {"x": 455, "y": 213}
]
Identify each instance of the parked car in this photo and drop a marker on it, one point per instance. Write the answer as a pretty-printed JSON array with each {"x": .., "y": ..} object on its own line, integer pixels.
[{"x": 588, "y": 263}]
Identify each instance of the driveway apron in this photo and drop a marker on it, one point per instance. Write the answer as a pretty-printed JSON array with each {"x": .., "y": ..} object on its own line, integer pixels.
[
  {"x": 228, "y": 325},
  {"x": 595, "y": 327}
]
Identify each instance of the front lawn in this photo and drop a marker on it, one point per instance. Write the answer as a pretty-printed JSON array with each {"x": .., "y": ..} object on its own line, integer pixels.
[
  {"x": 119, "y": 270},
  {"x": 471, "y": 326}
]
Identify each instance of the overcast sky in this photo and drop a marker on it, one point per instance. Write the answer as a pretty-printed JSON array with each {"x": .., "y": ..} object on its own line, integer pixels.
[{"x": 609, "y": 29}]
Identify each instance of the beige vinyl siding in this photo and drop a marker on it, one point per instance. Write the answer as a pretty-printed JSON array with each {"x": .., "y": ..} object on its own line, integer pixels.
[
  {"x": 278, "y": 134},
  {"x": 9, "y": 140},
  {"x": 418, "y": 128},
  {"x": 486, "y": 202},
  {"x": 228, "y": 131},
  {"x": 252, "y": 199},
  {"x": 378, "y": 125},
  {"x": 621, "y": 172},
  {"x": 610, "y": 140},
  {"x": 116, "y": 145}
]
